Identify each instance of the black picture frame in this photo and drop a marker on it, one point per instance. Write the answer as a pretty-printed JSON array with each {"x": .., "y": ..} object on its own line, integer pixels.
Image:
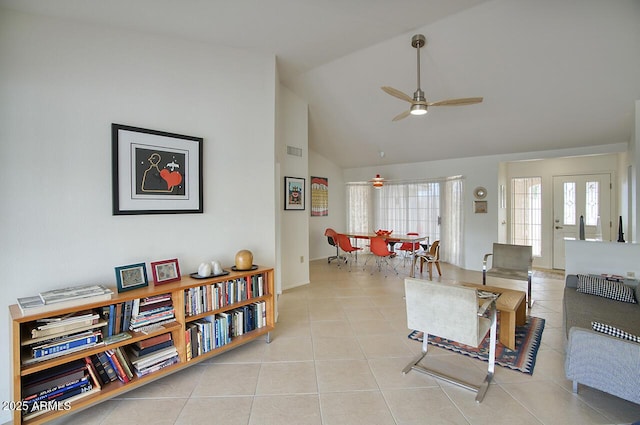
[
  {"x": 294, "y": 190},
  {"x": 155, "y": 172}
]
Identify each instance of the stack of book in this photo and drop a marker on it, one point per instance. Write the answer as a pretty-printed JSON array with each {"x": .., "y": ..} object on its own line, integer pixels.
[
  {"x": 151, "y": 312},
  {"x": 56, "y": 387},
  {"x": 63, "y": 298},
  {"x": 112, "y": 365},
  {"x": 56, "y": 336},
  {"x": 152, "y": 354}
]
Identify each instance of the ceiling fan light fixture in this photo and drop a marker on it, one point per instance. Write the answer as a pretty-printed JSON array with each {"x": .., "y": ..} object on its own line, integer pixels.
[{"x": 418, "y": 109}]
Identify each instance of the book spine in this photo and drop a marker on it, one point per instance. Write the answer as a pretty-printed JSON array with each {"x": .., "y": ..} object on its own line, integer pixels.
[
  {"x": 112, "y": 319},
  {"x": 93, "y": 372},
  {"x": 187, "y": 343},
  {"x": 145, "y": 343},
  {"x": 117, "y": 366},
  {"x": 108, "y": 367},
  {"x": 102, "y": 374},
  {"x": 53, "y": 394},
  {"x": 54, "y": 389},
  {"x": 88, "y": 341},
  {"x": 157, "y": 367},
  {"x": 124, "y": 362}
]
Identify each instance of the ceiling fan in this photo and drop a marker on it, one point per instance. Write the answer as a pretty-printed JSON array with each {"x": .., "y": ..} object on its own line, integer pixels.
[{"x": 419, "y": 104}]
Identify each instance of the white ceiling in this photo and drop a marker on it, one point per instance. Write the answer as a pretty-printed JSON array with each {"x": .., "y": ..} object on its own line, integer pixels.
[{"x": 553, "y": 74}]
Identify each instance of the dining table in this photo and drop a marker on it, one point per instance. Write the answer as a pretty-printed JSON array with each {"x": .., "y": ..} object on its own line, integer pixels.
[{"x": 392, "y": 239}]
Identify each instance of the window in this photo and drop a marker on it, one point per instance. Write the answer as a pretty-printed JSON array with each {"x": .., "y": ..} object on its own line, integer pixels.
[
  {"x": 526, "y": 212},
  {"x": 592, "y": 204},
  {"x": 408, "y": 207},
  {"x": 359, "y": 205}
]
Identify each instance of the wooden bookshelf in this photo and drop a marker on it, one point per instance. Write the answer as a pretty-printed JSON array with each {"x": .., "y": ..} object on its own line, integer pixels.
[{"x": 20, "y": 323}]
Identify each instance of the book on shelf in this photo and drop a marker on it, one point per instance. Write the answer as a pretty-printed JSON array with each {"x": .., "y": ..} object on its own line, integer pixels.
[
  {"x": 141, "y": 352},
  {"x": 145, "y": 343},
  {"x": 83, "y": 339},
  {"x": 122, "y": 336},
  {"x": 108, "y": 367},
  {"x": 65, "y": 399},
  {"x": 77, "y": 292},
  {"x": 52, "y": 377},
  {"x": 156, "y": 367},
  {"x": 55, "y": 392},
  {"x": 152, "y": 358},
  {"x": 117, "y": 328},
  {"x": 44, "y": 331},
  {"x": 117, "y": 366},
  {"x": 35, "y": 305},
  {"x": 124, "y": 361},
  {"x": 29, "y": 357},
  {"x": 63, "y": 382},
  {"x": 99, "y": 368},
  {"x": 93, "y": 373}
]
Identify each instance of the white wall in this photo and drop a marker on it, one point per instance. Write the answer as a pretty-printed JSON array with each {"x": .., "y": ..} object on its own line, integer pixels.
[
  {"x": 480, "y": 230},
  {"x": 292, "y": 124},
  {"x": 321, "y": 167},
  {"x": 62, "y": 84},
  {"x": 602, "y": 257},
  {"x": 634, "y": 189}
]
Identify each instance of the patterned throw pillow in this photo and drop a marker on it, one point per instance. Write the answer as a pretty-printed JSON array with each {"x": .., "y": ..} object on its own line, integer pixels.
[
  {"x": 605, "y": 288},
  {"x": 613, "y": 331}
]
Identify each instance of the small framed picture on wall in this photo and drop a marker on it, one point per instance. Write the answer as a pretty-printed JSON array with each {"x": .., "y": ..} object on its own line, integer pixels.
[{"x": 294, "y": 193}]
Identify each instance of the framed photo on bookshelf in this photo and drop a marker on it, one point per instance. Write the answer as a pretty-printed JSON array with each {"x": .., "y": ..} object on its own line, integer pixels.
[
  {"x": 294, "y": 193},
  {"x": 155, "y": 172},
  {"x": 130, "y": 277},
  {"x": 165, "y": 271}
]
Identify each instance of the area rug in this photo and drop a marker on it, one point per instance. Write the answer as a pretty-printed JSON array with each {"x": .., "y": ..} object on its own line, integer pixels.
[{"x": 523, "y": 358}]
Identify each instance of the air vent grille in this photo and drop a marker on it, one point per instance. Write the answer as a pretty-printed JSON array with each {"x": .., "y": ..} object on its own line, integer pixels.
[{"x": 292, "y": 150}]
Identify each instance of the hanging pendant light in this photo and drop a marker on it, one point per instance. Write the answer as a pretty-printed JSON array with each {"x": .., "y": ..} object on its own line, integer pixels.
[{"x": 377, "y": 181}]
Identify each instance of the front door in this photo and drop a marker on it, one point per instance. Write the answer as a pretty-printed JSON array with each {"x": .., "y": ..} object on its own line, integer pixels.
[{"x": 576, "y": 198}]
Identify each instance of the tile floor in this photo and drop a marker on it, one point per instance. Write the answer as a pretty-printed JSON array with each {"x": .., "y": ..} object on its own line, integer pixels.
[{"x": 336, "y": 358}]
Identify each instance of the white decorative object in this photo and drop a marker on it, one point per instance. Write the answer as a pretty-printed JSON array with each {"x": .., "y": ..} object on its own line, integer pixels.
[
  {"x": 204, "y": 270},
  {"x": 216, "y": 267}
]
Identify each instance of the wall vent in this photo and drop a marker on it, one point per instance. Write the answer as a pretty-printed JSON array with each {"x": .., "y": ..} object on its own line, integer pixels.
[{"x": 292, "y": 150}]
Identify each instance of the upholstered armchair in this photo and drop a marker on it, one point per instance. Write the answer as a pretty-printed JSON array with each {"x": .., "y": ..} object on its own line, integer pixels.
[
  {"x": 453, "y": 312},
  {"x": 510, "y": 262}
]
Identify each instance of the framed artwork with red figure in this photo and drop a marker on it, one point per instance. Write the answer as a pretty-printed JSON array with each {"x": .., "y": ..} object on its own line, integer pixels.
[{"x": 155, "y": 172}]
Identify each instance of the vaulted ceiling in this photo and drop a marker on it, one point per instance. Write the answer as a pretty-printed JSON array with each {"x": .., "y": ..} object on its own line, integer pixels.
[{"x": 553, "y": 75}]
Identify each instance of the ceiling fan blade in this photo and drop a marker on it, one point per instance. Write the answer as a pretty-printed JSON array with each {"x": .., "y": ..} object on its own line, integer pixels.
[
  {"x": 403, "y": 115},
  {"x": 456, "y": 102},
  {"x": 397, "y": 93}
]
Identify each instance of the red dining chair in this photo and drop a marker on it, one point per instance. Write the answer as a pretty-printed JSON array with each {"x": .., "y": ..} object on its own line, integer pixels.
[
  {"x": 381, "y": 251},
  {"x": 332, "y": 240},
  {"x": 345, "y": 245},
  {"x": 409, "y": 247}
]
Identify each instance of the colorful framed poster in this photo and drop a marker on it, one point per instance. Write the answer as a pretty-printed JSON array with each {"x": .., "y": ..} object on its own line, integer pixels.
[
  {"x": 165, "y": 271},
  {"x": 319, "y": 196},
  {"x": 154, "y": 172},
  {"x": 294, "y": 193}
]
